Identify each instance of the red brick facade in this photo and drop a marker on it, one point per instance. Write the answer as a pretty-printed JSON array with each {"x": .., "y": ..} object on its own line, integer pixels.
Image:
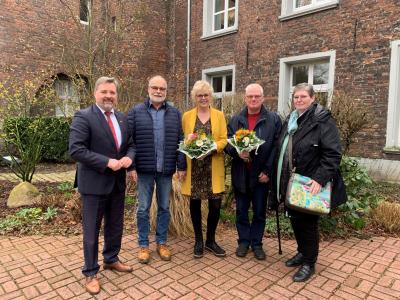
[
  {"x": 32, "y": 35},
  {"x": 358, "y": 31}
]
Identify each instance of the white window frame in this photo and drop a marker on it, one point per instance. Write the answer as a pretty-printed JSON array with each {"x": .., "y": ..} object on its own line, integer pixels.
[
  {"x": 289, "y": 11},
  {"x": 393, "y": 117},
  {"x": 317, "y": 87},
  {"x": 89, "y": 4},
  {"x": 286, "y": 74},
  {"x": 208, "y": 74},
  {"x": 68, "y": 109},
  {"x": 208, "y": 20}
]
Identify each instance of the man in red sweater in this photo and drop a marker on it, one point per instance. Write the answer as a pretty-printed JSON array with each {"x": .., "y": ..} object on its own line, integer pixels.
[{"x": 251, "y": 171}]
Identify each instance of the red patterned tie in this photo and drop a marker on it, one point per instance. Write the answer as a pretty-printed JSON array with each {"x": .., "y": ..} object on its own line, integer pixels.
[{"x": 110, "y": 123}]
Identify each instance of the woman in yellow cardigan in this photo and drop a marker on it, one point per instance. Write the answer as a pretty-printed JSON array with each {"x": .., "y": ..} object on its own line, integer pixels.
[{"x": 205, "y": 178}]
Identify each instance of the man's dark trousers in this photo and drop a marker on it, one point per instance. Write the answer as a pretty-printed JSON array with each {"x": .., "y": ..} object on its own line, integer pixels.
[
  {"x": 110, "y": 206},
  {"x": 251, "y": 234}
]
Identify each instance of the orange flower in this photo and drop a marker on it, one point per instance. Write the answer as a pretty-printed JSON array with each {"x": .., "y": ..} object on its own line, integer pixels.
[{"x": 241, "y": 133}]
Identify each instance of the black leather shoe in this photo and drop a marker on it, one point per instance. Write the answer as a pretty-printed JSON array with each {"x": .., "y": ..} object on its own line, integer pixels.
[
  {"x": 304, "y": 273},
  {"x": 259, "y": 253},
  {"x": 242, "y": 250},
  {"x": 214, "y": 248},
  {"x": 295, "y": 261},
  {"x": 198, "y": 249}
]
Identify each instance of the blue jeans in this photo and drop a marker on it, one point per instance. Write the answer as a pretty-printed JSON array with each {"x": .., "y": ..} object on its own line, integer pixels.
[
  {"x": 251, "y": 234},
  {"x": 145, "y": 194}
]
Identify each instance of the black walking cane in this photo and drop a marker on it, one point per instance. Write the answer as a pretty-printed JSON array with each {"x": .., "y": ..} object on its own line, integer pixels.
[{"x": 278, "y": 230}]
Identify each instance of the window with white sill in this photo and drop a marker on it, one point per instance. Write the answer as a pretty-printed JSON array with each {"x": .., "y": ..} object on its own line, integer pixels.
[
  {"x": 219, "y": 17},
  {"x": 393, "y": 118},
  {"x": 222, "y": 79},
  {"x": 295, "y": 8},
  {"x": 316, "y": 69}
]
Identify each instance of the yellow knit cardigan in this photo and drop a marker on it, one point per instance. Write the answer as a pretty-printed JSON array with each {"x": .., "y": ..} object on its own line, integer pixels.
[{"x": 219, "y": 133}]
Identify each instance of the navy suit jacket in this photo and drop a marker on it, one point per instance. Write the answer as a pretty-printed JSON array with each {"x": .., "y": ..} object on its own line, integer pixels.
[{"x": 91, "y": 144}]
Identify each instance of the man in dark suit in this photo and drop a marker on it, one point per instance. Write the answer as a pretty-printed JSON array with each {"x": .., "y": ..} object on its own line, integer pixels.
[{"x": 100, "y": 144}]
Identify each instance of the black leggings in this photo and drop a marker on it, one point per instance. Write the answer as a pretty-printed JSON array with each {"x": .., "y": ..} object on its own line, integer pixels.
[
  {"x": 214, "y": 208},
  {"x": 307, "y": 237}
]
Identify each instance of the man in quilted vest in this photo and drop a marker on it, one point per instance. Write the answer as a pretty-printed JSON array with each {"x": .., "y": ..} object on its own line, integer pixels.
[{"x": 156, "y": 129}]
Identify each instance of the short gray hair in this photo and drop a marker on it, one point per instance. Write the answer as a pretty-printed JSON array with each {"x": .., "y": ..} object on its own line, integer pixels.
[
  {"x": 105, "y": 79},
  {"x": 304, "y": 87},
  {"x": 257, "y": 85},
  {"x": 157, "y": 77}
]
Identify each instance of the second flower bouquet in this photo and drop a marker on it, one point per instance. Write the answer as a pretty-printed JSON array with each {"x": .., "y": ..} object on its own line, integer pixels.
[
  {"x": 197, "y": 145},
  {"x": 245, "y": 140}
]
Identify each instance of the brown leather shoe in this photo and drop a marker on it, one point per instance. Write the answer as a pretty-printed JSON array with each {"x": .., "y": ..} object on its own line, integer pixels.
[
  {"x": 164, "y": 252},
  {"x": 118, "y": 266},
  {"x": 144, "y": 255},
  {"x": 92, "y": 285}
]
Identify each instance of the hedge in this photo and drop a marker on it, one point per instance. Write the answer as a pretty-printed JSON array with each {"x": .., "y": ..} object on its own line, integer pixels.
[{"x": 53, "y": 130}]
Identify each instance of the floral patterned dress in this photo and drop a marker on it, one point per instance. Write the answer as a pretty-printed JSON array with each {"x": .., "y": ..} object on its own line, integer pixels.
[{"x": 201, "y": 169}]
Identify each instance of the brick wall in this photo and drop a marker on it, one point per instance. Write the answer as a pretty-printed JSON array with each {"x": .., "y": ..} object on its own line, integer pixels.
[
  {"x": 359, "y": 31},
  {"x": 33, "y": 33}
]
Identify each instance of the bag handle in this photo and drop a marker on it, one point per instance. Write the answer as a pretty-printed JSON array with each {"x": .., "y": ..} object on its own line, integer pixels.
[{"x": 290, "y": 152}]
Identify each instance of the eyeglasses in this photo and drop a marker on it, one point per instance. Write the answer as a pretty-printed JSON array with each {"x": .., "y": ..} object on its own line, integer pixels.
[
  {"x": 301, "y": 97},
  {"x": 158, "y": 88},
  {"x": 253, "y": 96},
  {"x": 202, "y": 96}
]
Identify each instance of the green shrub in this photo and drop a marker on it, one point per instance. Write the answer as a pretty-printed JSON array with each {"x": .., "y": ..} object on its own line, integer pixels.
[
  {"x": 25, "y": 143},
  {"x": 53, "y": 132},
  {"x": 22, "y": 219},
  {"x": 228, "y": 216},
  {"x": 130, "y": 200},
  {"x": 284, "y": 224},
  {"x": 50, "y": 214},
  {"x": 355, "y": 212}
]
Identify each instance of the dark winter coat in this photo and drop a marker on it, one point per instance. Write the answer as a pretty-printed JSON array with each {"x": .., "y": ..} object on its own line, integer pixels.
[
  {"x": 140, "y": 124},
  {"x": 316, "y": 153},
  {"x": 267, "y": 128}
]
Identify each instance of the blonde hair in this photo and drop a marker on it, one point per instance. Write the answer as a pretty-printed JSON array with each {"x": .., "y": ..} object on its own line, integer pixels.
[{"x": 201, "y": 85}]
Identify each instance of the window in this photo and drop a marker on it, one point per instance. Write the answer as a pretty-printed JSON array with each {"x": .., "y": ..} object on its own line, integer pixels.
[
  {"x": 220, "y": 17},
  {"x": 295, "y": 8},
  {"x": 114, "y": 23},
  {"x": 69, "y": 99},
  {"x": 222, "y": 80},
  {"x": 316, "y": 69},
  {"x": 84, "y": 11},
  {"x": 393, "y": 119}
]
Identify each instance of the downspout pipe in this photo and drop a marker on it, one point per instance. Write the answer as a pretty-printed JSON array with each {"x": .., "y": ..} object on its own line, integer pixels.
[{"x": 188, "y": 29}]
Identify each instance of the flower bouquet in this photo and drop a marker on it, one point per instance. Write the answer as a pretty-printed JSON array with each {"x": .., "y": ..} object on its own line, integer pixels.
[
  {"x": 245, "y": 140},
  {"x": 197, "y": 145}
]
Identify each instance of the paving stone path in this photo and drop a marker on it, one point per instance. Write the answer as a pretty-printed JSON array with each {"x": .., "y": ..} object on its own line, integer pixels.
[
  {"x": 49, "y": 267},
  {"x": 43, "y": 177}
]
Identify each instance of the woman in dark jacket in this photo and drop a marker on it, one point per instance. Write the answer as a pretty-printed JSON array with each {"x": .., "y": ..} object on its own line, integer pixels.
[{"x": 316, "y": 154}]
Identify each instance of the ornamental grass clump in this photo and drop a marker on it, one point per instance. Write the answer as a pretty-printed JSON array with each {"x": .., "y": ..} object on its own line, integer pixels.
[
  {"x": 387, "y": 215},
  {"x": 180, "y": 222}
]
